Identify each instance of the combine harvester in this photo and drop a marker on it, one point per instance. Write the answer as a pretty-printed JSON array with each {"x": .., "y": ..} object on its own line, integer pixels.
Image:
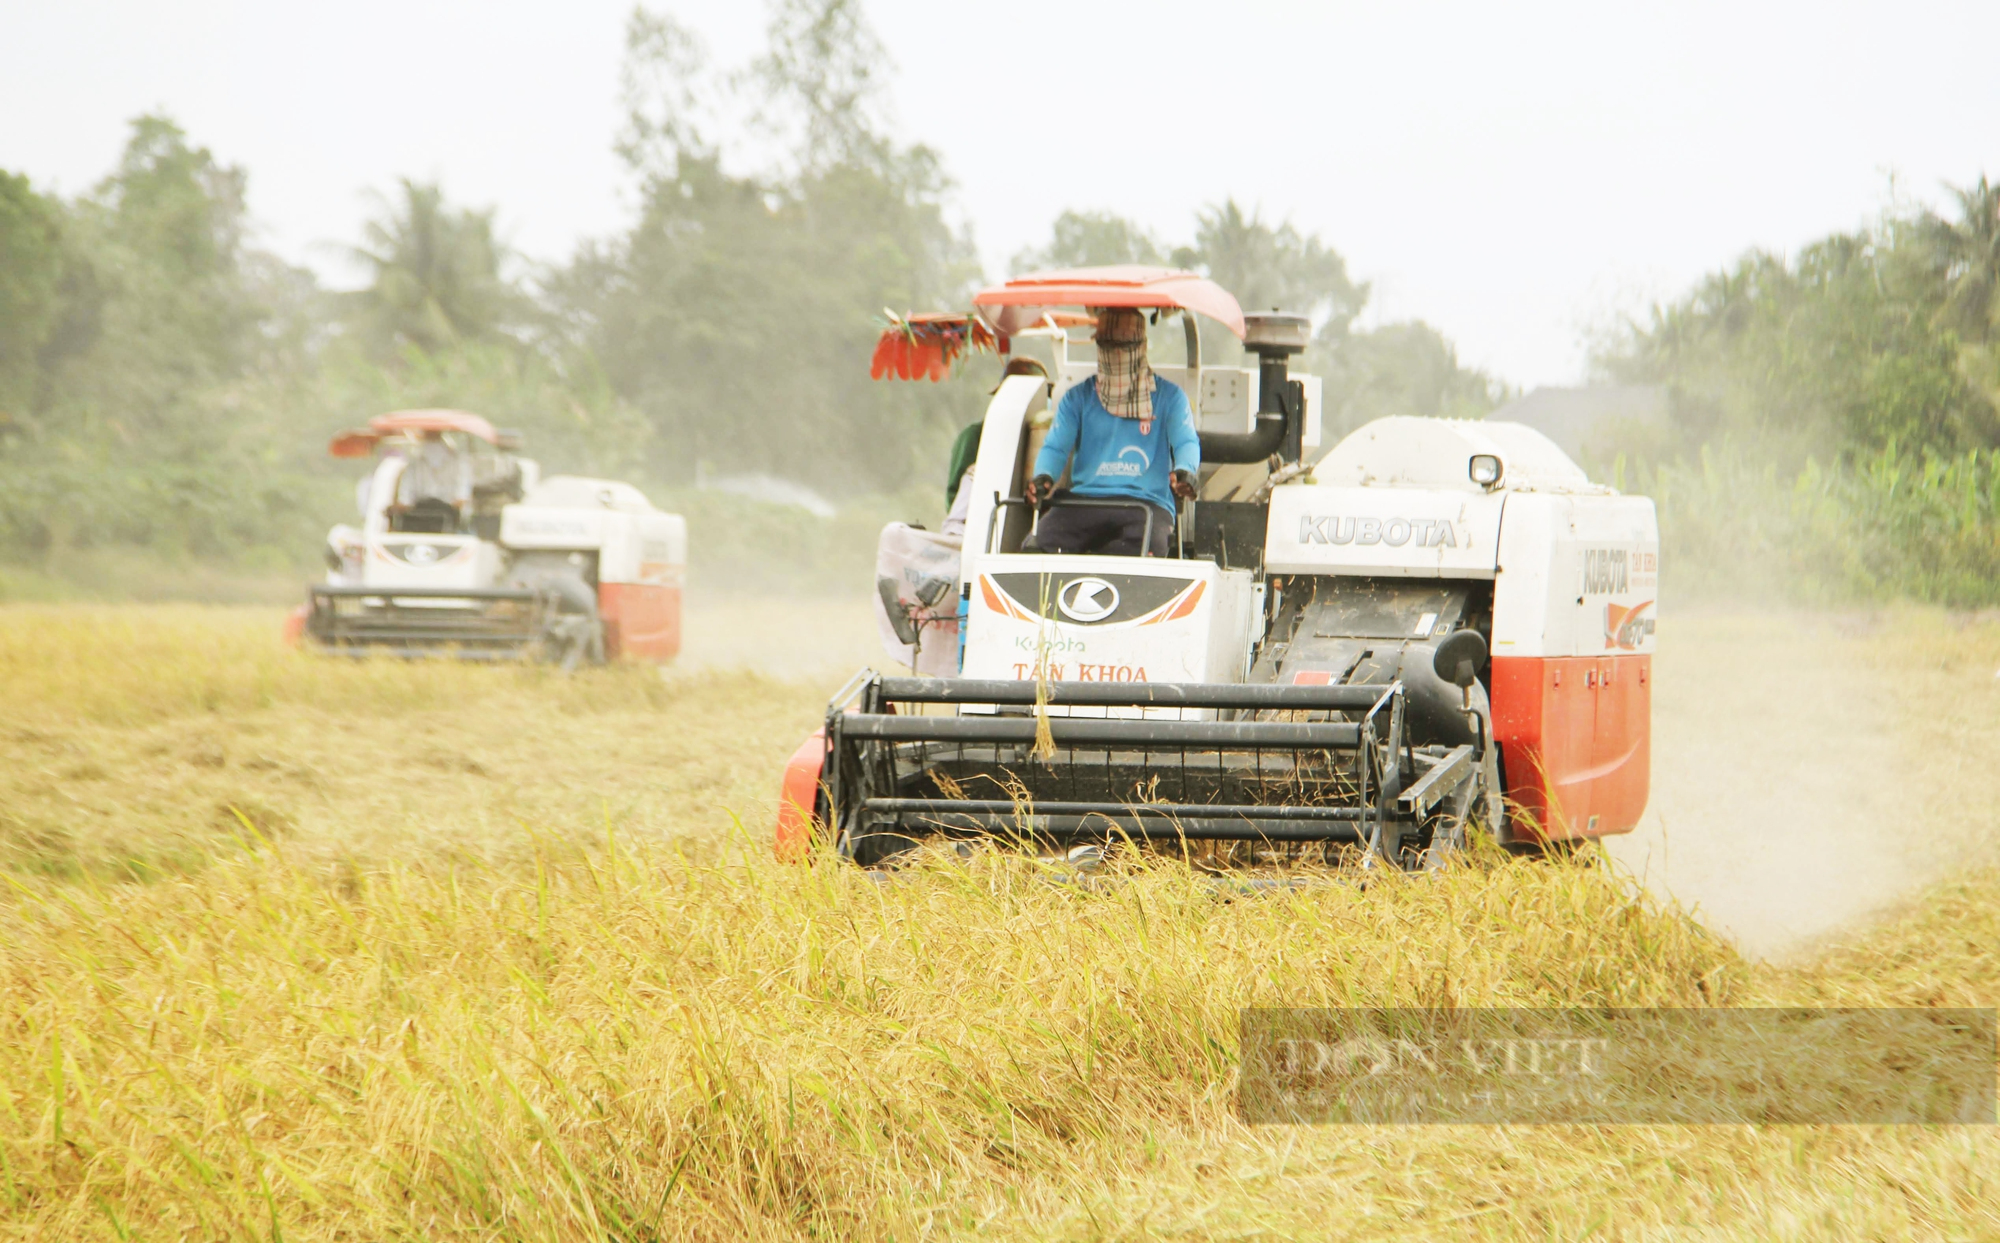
[
  {"x": 1307, "y": 681},
  {"x": 464, "y": 550}
]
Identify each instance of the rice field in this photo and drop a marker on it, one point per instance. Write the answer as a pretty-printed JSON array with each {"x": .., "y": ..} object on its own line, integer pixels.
[{"x": 296, "y": 949}]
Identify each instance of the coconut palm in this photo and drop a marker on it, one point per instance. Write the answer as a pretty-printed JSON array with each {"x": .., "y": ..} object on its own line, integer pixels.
[
  {"x": 1273, "y": 266},
  {"x": 436, "y": 273},
  {"x": 1968, "y": 252}
]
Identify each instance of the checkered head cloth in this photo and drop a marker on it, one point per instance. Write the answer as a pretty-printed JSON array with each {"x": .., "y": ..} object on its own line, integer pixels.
[{"x": 1124, "y": 380}]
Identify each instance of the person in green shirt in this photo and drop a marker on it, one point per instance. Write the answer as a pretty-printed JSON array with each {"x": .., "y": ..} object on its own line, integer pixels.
[{"x": 964, "y": 454}]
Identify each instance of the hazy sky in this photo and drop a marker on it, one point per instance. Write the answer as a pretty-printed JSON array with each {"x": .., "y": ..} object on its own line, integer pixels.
[{"x": 1513, "y": 173}]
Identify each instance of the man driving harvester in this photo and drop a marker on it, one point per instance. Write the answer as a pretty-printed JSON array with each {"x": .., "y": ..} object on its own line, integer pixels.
[{"x": 1128, "y": 436}]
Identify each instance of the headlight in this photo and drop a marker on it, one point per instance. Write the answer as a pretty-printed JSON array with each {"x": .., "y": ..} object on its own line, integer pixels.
[{"x": 1485, "y": 470}]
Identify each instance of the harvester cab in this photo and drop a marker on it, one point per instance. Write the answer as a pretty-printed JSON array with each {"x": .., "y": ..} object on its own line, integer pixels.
[
  {"x": 464, "y": 549},
  {"x": 1356, "y": 656}
]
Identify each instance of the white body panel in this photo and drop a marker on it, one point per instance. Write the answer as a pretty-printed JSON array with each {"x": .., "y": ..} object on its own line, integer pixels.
[
  {"x": 1390, "y": 531},
  {"x": 1108, "y": 619},
  {"x": 633, "y": 545},
  {"x": 650, "y": 548},
  {"x": 1409, "y": 452},
  {"x": 1579, "y": 576},
  {"x": 999, "y": 461},
  {"x": 1575, "y": 566},
  {"x": 1575, "y": 574},
  {"x": 400, "y": 560}
]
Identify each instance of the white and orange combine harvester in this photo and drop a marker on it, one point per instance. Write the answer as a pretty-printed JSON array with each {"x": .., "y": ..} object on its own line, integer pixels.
[
  {"x": 1321, "y": 674},
  {"x": 464, "y": 550}
]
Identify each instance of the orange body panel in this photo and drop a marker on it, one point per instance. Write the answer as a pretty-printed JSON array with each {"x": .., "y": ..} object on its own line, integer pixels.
[
  {"x": 796, "y": 798},
  {"x": 1576, "y": 735},
  {"x": 641, "y": 620},
  {"x": 295, "y": 625}
]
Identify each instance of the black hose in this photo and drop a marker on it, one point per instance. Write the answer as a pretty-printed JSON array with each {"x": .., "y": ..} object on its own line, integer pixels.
[{"x": 1236, "y": 449}]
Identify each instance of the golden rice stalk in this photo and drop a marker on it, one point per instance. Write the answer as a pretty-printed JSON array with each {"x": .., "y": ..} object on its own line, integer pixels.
[{"x": 1045, "y": 742}]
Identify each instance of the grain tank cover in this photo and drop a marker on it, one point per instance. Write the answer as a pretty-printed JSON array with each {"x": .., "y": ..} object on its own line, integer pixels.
[
  {"x": 577, "y": 492},
  {"x": 1408, "y": 452},
  {"x": 1415, "y": 498}
]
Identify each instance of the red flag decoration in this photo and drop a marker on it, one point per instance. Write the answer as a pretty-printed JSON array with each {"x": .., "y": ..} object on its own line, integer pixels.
[{"x": 917, "y": 347}]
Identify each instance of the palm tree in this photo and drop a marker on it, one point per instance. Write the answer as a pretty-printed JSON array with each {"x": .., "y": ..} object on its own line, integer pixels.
[
  {"x": 436, "y": 273},
  {"x": 1273, "y": 266},
  {"x": 1968, "y": 253},
  {"x": 1089, "y": 239}
]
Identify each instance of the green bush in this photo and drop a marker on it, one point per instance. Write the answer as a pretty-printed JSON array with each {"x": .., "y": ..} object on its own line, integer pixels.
[{"x": 1891, "y": 524}]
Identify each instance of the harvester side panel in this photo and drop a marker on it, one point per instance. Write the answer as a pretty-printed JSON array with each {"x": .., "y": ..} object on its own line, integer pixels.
[
  {"x": 1574, "y": 732},
  {"x": 800, "y": 799},
  {"x": 640, "y": 571},
  {"x": 1573, "y": 613},
  {"x": 641, "y": 620},
  {"x": 639, "y": 559},
  {"x": 1622, "y": 755}
]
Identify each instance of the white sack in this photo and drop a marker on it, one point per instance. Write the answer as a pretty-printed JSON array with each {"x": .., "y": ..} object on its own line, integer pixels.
[{"x": 916, "y": 573}]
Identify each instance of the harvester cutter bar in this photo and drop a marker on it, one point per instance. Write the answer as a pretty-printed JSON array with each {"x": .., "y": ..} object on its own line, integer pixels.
[
  {"x": 1109, "y": 824},
  {"x": 456, "y": 646},
  {"x": 1132, "y": 694},
  {"x": 1124, "y": 733},
  {"x": 426, "y": 593},
  {"x": 497, "y": 623},
  {"x": 1210, "y": 811}
]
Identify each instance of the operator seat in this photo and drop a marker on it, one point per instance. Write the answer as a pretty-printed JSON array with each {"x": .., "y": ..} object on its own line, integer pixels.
[{"x": 427, "y": 516}]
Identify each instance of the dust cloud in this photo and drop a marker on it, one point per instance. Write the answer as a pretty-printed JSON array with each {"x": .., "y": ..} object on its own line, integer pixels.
[
  {"x": 1782, "y": 807},
  {"x": 795, "y": 637}
]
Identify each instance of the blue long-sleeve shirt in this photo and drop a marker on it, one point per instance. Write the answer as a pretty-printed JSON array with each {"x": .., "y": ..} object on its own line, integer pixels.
[{"x": 1113, "y": 457}]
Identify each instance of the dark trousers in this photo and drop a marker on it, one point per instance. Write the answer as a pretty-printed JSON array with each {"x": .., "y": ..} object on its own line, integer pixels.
[{"x": 1113, "y": 529}]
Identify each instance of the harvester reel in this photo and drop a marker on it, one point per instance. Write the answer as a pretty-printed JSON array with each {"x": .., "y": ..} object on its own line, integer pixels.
[{"x": 1225, "y": 776}]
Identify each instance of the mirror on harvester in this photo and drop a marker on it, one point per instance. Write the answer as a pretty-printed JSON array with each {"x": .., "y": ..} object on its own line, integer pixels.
[{"x": 1460, "y": 658}]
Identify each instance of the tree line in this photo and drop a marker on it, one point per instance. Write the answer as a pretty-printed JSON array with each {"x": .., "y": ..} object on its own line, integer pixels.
[
  {"x": 165, "y": 383},
  {"x": 1834, "y": 414}
]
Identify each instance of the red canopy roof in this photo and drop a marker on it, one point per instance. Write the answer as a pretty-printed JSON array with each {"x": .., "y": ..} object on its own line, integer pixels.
[
  {"x": 1130, "y": 284},
  {"x": 361, "y": 442}
]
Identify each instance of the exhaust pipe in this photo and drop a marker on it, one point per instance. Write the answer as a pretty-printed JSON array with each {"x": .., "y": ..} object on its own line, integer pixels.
[{"x": 1273, "y": 337}]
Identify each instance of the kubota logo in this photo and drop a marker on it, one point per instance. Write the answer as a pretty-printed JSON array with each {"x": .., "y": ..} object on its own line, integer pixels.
[
  {"x": 1087, "y": 599},
  {"x": 1394, "y": 532},
  {"x": 1604, "y": 571}
]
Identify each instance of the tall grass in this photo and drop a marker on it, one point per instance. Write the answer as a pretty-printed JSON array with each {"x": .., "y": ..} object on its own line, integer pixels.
[
  {"x": 1892, "y": 525},
  {"x": 629, "y": 1045},
  {"x": 610, "y": 1031},
  {"x": 617, "y": 1044},
  {"x": 131, "y": 740},
  {"x": 110, "y": 666}
]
